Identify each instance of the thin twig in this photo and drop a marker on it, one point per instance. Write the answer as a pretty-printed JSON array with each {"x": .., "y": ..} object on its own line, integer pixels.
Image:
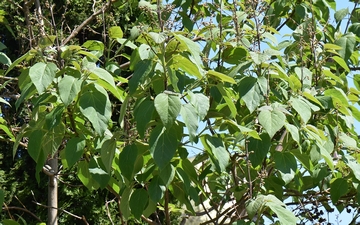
[{"x": 21, "y": 209}]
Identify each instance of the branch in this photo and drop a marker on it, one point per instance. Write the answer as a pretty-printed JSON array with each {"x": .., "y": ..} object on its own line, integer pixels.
[
  {"x": 87, "y": 21},
  {"x": 22, "y": 209},
  {"x": 40, "y": 17}
]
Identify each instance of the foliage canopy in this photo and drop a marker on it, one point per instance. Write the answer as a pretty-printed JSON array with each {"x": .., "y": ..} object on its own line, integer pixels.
[{"x": 259, "y": 88}]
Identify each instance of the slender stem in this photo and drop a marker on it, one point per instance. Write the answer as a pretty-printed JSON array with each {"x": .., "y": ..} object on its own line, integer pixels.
[{"x": 166, "y": 208}]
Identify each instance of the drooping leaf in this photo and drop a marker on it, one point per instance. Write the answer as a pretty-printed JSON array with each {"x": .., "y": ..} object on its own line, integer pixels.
[
  {"x": 200, "y": 102},
  {"x": 218, "y": 154},
  {"x": 347, "y": 43},
  {"x": 258, "y": 148},
  {"x": 338, "y": 188},
  {"x": 143, "y": 113},
  {"x": 42, "y": 75},
  {"x": 4, "y": 59},
  {"x": 272, "y": 120},
  {"x": 285, "y": 216},
  {"x": 95, "y": 106},
  {"x": 74, "y": 150},
  {"x": 69, "y": 87},
  {"x": 168, "y": 107},
  {"x": 127, "y": 160},
  {"x": 163, "y": 144},
  {"x": 285, "y": 162},
  {"x": 190, "y": 118},
  {"x": 35, "y": 144},
  {"x": 156, "y": 189},
  {"x": 301, "y": 108},
  {"x": 107, "y": 153},
  {"x": 138, "y": 201},
  {"x": 142, "y": 70}
]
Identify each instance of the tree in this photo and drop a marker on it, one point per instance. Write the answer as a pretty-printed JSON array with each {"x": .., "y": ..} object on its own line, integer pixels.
[{"x": 272, "y": 120}]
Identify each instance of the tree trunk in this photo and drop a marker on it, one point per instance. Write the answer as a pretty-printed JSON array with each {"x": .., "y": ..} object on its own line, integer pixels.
[{"x": 53, "y": 192}]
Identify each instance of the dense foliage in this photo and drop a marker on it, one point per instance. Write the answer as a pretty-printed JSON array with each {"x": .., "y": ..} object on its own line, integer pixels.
[{"x": 236, "y": 111}]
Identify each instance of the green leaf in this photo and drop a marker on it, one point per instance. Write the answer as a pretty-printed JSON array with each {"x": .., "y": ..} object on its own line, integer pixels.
[
  {"x": 74, "y": 150},
  {"x": 219, "y": 156},
  {"x": 234, "y": 55},
  {"x": 156, "y": 189},
  {"x": 4, "y": 59},
  {"x": 272, "y": 121},
  {"x": 338, "y": 188},
  {"x": 138, "y": 201},
  {"x": 143, "y": 113},
  {"x": 115, "y": 32},
  {"x": 250, "y": 93},
  {"x": 124, "y": 203},
  {"x": 179, "y": 61},
  {"x": 53, "y": 118},
  {"x": 163, "y": 144},
  {"x": 42, "y": 75},
  {"x": 200, "y": 102},
  {"x": 69, "y": 87},
  {"x": 103, "y": 75},
  {"x": 285, "y": 216},
  {"x": 192, "y": 47},
  {"x": 190, "y": 118},
  {"x": 294, "y": 131},
  {"x": 35, "y": 145},
  {"x": 107, "y": 153},
  {"x": 167, "y": 174},
  {"x": 340, "y": 14},
  {"x": 157, "y": 38},
  {"x": 259, "y": 149},
  {"x": 225, "y": 92},
  {"x": 285, "y": 162},
  {"x": 347, "y": 43},
  {"x": 142, "y": 70},
  {"x": 95, "y": 106},
  {"x": 9, "y": 222},
  {"x": 354, "y": 166},
  {"x": 97, "y": 173},
  {"x": 341, "y": 62},
  {"x": 168, "y": 107},
  {"x": 304, "y": 75},
  {"x": 301, "y": 108},
  {"x": 222, "y": 77},
  {"x": 53, "y": 139},
  {"x": 127, "y": 161}
]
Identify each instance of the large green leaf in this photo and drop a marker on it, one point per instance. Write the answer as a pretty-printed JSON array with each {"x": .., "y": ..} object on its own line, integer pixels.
[
  {"x": 301, "y": 108},
  {"x": 142, "y": 70},
  {"x": 285, "y": 216},
  {"x": 127, "y": 161},
  {"x": 98, "y": 173},
  {"x": 163, "y": 145},
  {"x": 354, "y": 166},
  {"x": 42, "y": 75},
  {"x": 182, "y": 62},
  {"x": 74, "y": 150},
  {"x": 347, "y": 43},
  {"x": 250, "y": 93},
  {"x": 107, "y": 153},
  {"x": 53, "y": 139},
  {"x": 338, "y": 188},
  {"x": 143, "y": 113},
  {"x": 285, "y": 162},
  {"x": 95, "y": 106},
  {"x": 156, "y": 189},
  {"x": 35, "y": 144},
  {"x": 200, "y": 102},
  {"x": 168, "y": 107},
  {"x": 219, "y": 156},
  {"x": 190, "y": 118},
  {"x": 258, "y": 149},
  {"x": 138, "y": 201},
  {"x": 69, "y": 86},
  {"x": 272, "y": 120}
]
